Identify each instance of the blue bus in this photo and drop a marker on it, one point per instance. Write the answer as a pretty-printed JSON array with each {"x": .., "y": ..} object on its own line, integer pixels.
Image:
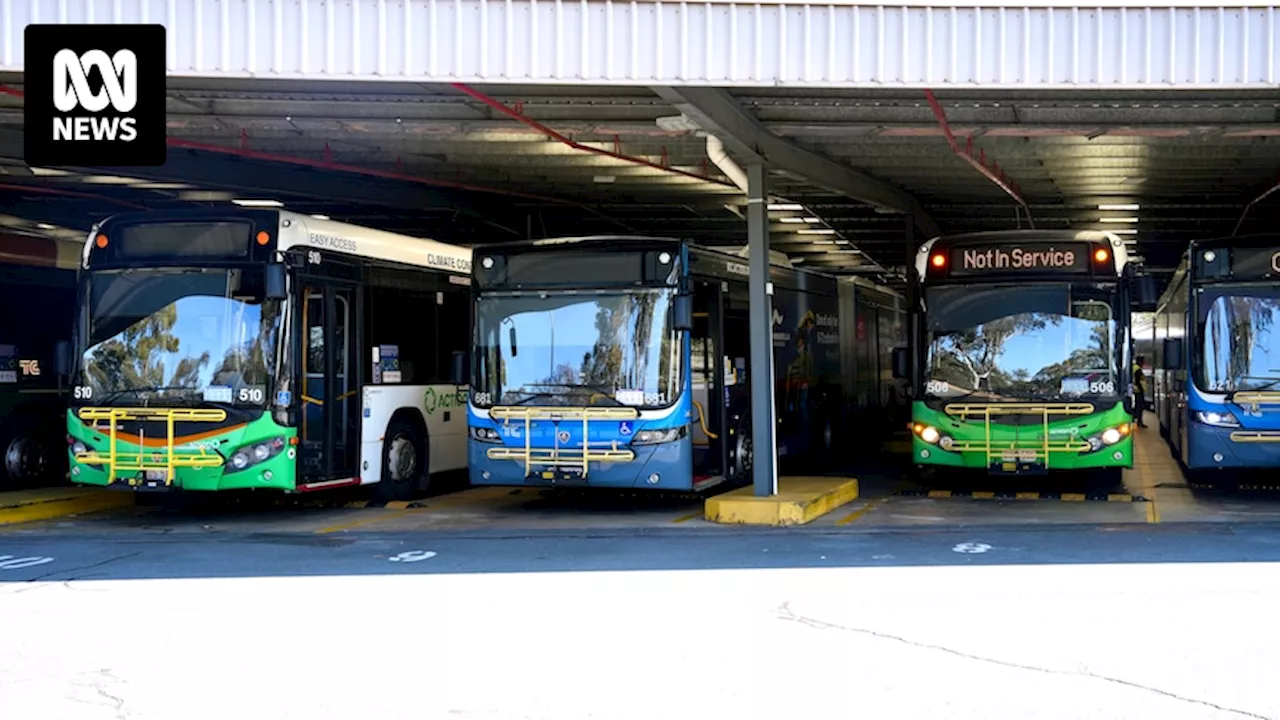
[
  {"x": 623, "y": 362},
  {"x": 1216, "y": 380}
]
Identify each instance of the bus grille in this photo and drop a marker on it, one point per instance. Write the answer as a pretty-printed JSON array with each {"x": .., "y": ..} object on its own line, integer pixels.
[
  {"x": 1018, "y": 450},
  {"x": 578, "y": 458},
  {"x": 148, "y": 462}
]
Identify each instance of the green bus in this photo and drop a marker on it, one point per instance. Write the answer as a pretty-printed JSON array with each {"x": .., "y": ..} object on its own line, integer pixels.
[
  {"x": 264, "y": 349},
  {"x": 1019, "y": 354}
]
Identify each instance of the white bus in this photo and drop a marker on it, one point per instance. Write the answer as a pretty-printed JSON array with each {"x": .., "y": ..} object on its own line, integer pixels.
[{"x": 237, "y": 349}]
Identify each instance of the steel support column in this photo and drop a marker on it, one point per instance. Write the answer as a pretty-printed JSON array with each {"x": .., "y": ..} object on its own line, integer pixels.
[{"x": 764, "y": 440}]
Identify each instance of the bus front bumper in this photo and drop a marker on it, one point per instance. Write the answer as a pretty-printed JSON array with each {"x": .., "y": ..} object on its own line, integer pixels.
[
  {"x": 1117, "y": 455},
  {"x": 1210, "y": 446},
  {"x": 663, "y": 466}
]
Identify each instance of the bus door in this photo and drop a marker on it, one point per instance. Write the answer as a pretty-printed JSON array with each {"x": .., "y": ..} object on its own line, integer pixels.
[
  {"x": 708, "y": 371},
  {"x": 330, "y": 402}
]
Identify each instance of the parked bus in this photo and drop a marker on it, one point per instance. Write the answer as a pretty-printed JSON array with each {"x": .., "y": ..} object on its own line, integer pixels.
[
  {"x": 262, "y": 349},
  {"x": 623, "y": 362},
  {"x": 1021, "y": 361},
  {"x": 1217, "y": 387},
  {"x": 37, "y": 294}
]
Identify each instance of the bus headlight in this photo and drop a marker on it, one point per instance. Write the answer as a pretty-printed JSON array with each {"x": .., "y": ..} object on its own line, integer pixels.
[
  {"x": 946, "y": 442},
  {"x": 655, "y": 437},
  {"x": 1216, "y": 418},
  {"x": 930, "y": 434},
  {"x": 1110, "y": 436},
  {"x": 78, "y": 447},
  {"x": 485, "y": 434},
  {"x": 250, "y": 455}
]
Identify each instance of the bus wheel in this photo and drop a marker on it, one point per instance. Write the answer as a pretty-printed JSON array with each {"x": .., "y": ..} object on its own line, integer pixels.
[
  {"x": 404, "y": 463},
  {"x": 26, "y": 458},
  {"x": 740, "y": 457}
]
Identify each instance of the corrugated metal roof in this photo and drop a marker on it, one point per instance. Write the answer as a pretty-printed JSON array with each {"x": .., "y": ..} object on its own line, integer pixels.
[{"x": 962, "y": 44}]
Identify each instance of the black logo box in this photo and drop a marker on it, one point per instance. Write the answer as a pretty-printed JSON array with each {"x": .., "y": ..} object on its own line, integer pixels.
[{"x": 147, "y": 148}]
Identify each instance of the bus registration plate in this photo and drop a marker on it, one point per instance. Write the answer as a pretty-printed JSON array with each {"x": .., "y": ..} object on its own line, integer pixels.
[{"x": 1018, "y": 455}]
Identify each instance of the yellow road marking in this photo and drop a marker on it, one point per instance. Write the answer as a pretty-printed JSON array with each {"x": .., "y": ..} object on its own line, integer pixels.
[
  {"x": 690, "y": 516},
  {"x": 1119, "y": 497},
  {"x": 1027, "y": 496},
  {"x": 1073, "y": 497},
  {"x": 1153, "y": 512},
  {"x": 939, "y": 493},
  {"x": 983, "y": 495},
  {"x": 365, "y": 519},
  {"x": 861, "y": 511}
]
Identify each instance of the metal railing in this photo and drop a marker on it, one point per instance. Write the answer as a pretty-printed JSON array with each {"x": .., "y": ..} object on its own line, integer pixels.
[
  {"x": 149, "y": 460},
  {"x": 556, "y": 456},
  {"x": 1021, "y": 450}
]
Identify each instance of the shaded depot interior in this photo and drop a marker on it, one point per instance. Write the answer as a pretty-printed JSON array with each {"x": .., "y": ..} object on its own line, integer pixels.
[{"x": 495, "y": 163}]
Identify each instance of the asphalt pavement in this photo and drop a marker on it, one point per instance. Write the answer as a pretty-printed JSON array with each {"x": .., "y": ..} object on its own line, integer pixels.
[{"x": 1089, "y": 621}]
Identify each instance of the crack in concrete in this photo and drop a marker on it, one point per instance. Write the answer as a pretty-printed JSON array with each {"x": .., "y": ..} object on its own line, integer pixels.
[
  {"x": 28, "y": 584},
  {"x": 787, "y": 614}
]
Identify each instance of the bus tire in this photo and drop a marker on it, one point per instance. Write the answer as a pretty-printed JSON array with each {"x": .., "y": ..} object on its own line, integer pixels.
[
  {"x": 404, "y": 461},
  {"x": 27, "y": 453}
]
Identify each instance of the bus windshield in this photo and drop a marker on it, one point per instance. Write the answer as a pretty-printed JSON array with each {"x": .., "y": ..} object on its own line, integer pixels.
[
  {"x": 1239, "y": 340},
  {"x": 576, "y": 349},
  {"x": 178, "y": 337},
  {"x": 1021, "y": 342}
]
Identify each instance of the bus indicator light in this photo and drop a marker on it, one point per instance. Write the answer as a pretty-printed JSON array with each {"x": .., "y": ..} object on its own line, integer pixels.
[
  {"x": 101, "y": 241},
  {"x": 938, "y": 260},
  {"x": 263, "y": 237},
  {"x": 1101, "y": 255}
]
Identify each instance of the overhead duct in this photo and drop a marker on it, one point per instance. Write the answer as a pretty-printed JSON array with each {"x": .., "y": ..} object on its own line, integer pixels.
[{"x": 715, "y": 151}]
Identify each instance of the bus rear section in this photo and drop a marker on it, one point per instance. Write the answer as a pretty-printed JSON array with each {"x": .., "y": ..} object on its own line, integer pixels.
[
  {"x": 1217, "y": 381},
  {"x": 1022, "y": 353}
]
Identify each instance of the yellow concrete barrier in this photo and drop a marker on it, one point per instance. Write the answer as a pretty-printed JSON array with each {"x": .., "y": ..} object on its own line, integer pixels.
[
  {"x": 800, "y": 500},
  {"x": 22, "y": 506}
]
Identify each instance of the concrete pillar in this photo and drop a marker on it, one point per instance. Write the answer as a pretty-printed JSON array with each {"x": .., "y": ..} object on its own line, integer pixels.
[{"x": 764, "y": 426}]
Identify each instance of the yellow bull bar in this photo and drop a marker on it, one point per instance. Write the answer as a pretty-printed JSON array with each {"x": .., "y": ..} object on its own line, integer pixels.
[
  {"x": 1041, "y": 450},
  {"x": 558, "y": 456},
  {"x": 149, "y": 459},
  {"x": 1254, "y": 400}
]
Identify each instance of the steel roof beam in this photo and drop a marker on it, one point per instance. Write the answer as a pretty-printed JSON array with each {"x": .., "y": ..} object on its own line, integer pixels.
[{"x": 747, "y": 137}]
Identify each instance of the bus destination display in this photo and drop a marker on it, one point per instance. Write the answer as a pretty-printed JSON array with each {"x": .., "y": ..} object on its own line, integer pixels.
[{"x": 1034, "y": 257}]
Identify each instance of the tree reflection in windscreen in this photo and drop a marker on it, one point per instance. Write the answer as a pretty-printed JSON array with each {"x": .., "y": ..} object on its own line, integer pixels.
[
  {"x": 1240, "y": 350},
  {"x": 1045, "y": 341},
  {"x": 578, "y": 349}
]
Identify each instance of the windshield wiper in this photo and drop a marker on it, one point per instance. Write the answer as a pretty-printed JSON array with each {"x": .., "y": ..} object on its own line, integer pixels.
[{"x": 1272, "y": 382}]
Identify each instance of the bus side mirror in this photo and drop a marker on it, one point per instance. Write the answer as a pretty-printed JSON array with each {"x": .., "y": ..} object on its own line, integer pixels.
[
  {"x": 1172, "y": 354},
  {"x": 275, "y": 289},
  {"x": 901, "y": 363},
  {"x": 1147, "y": 291},
  {"x": 511, "y": 337},
  {"x": 458, "y": 372},
  {"x": 62, "y": 358},
  {"x": 683, "y": 312}
]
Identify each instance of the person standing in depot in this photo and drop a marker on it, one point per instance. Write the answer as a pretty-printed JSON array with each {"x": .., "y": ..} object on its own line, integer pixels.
[{"x": 1139, "y": 391}]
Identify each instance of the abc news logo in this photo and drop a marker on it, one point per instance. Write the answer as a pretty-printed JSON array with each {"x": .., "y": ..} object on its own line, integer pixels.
[{"x": 95, "y": 95}]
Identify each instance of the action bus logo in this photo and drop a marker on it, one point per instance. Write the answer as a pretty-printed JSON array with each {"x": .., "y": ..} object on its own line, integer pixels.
[{"x": 95, "y": 95}]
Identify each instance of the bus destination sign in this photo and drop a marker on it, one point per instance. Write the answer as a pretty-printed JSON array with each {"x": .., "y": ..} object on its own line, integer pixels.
[
  {"x": 1254, "y": 262},
  {"x": 1020, "y": 258}
]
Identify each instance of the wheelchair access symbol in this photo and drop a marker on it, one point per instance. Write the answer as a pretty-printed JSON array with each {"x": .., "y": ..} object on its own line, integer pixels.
[{"x": 624, "y": 428}]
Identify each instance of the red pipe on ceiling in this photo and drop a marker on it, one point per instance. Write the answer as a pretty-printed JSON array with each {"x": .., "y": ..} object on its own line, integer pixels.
[
  {"x": 994, "y": 175},
  {"x": 521, "y": 117},
  {"x": 402, "y": 177}
]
